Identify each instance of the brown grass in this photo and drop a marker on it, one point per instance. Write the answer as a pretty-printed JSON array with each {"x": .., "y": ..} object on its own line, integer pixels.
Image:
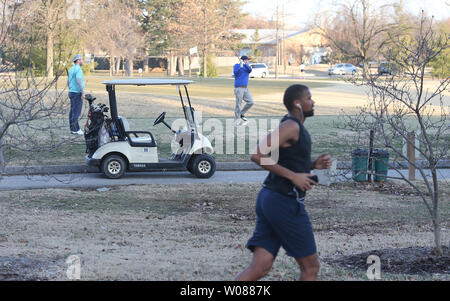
[{"x": 155, "y": 232}]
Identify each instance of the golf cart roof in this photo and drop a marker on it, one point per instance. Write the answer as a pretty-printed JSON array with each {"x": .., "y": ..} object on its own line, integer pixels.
[{"x": 148, "y": 81}]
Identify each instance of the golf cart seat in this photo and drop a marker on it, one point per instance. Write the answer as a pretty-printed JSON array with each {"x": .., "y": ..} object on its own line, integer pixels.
[
  {"x": 125, "y": 124},
  {"x": 141, "y": 139},
  {"x": 135, "y": 138}
]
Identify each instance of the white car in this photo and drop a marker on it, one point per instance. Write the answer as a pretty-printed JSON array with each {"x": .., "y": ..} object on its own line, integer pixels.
[
  {"x": 259, "y": 70},
  {"x": 342, "y": 69}
]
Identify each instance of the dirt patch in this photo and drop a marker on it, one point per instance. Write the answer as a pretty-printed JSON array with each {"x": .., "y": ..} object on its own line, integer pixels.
[
  {"x": 157, "y": 69},
  {"x": 391, "y": 188},
  {"x": 412, "y": 261},
  {"x": 25, "y": 269},
  {"x": 361, "y": 228},
  {"x": 154, "y": 232}
]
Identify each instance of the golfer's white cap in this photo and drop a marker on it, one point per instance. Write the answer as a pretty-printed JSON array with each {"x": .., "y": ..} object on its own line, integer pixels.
[{"x": 77, "y": 57}]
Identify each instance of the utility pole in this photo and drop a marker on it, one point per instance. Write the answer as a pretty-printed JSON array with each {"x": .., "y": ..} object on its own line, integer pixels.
[
  {"x": 277, "y": 50},
  {"x": 283, "y": 43}
]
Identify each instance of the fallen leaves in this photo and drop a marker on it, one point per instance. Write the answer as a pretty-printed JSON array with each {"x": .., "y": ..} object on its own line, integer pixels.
[{"x": 237, "y": 217}]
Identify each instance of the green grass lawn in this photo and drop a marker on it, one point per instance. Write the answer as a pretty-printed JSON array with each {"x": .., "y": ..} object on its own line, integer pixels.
[
  {"x": 325, "y": 138},
  {"x": 209, "y": 87},
  {"x": 213, "y": 98}
]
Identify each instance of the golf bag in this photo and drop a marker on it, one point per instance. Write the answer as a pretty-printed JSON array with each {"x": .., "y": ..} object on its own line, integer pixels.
[{"x": 96, "y": 131}]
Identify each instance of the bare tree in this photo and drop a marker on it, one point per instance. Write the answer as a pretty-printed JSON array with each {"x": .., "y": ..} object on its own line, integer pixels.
[
  {"x": 129, "y": 35},
  {"x": 252, "y": 22},
  {"x": 157, "y": 18},
  {"x": 8, "y": 11},
  {"x": 298, "y": 51},
  {"x": 357, "y": 29},
  {"x": 123, "y": 35},
  {"x": 181, "y": 37},
  {"x": 32, "y": 110},
  {"x": 401, "y": 104},
  {"x": 213, "y": 21},
  {"x": 53, "y": 13}
]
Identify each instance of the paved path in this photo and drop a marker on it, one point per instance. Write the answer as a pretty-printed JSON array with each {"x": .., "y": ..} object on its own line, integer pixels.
[{"x": 97, "y": 180}]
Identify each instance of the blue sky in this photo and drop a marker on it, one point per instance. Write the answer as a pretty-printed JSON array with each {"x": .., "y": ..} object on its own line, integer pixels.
[{"x": 302, "y": 11}]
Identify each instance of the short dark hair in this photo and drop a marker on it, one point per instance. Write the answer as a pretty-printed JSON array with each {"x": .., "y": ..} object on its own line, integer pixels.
[{"x": 293, "y": 93}]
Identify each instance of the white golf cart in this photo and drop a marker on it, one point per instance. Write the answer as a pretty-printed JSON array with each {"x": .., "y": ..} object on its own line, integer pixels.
[{"x": 129, "y": 150}]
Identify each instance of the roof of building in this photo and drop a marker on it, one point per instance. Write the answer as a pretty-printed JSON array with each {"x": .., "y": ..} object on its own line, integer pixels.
[{"x": 266, "y": 36}]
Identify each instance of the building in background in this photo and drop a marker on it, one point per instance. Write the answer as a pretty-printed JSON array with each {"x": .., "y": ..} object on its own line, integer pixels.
[{"x": 295, "y": 47}]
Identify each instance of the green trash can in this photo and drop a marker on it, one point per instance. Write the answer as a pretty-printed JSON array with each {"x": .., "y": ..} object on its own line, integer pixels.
[
  {"x": 360, "y": 159},
  {"x": 381, "y": 162}
]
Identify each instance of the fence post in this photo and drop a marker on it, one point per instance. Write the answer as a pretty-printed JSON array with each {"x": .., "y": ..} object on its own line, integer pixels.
[
  {"x": 411, "y": 155},
  {"x": 372, "y": 138}
]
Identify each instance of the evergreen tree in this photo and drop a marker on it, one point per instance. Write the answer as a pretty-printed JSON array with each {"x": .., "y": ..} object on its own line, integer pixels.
[{"x": 254, "y": 51}]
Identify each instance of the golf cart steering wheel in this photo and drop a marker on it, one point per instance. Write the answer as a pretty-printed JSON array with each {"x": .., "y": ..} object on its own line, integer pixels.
[{"x": 160, "y": 119}]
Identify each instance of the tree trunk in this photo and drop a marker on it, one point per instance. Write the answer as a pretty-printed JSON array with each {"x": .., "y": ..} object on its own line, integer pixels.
[
  {"x": 50, "y": 38},
  {"x": 173, "y": 66},
  {"x": 145, "y": 64},
  {"x": 437, "y": 237},
  {"x": 436, "y": 221},
  {"x": 128, "y": 67},
  {"x": 125, "y": 66},
  {"x": 205, "y": 44},
  {"x": 205, "y": 63},
  {"x": 169, "y": 58},
  {"x": 366, "y": 70},
  {"x": 180, "y": 66},
  {"x": 131, "y": 66},
  {"x": 111, "y": 64},
  {"x": 118, "y": 59},
  {"x": 190, "y": 68},
  {"x": 2, "y": 160},
  {"x": 169, "y": 63},
  {"x": 93, "y": 63}
]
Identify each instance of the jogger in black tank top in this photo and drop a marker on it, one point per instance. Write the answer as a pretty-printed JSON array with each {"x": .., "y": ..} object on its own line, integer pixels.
[{"x": 281, "y": 216}]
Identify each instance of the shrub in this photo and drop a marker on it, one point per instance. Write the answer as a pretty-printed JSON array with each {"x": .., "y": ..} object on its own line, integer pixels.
[{"x": 211, "y": 69}]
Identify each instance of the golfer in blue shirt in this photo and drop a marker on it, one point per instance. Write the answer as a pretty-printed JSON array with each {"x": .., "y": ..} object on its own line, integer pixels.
[
  {"x": 76, "y": 84},
  {"x": 241, "y": 73}
]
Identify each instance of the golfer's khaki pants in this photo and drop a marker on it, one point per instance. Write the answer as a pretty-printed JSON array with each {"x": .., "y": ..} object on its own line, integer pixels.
[{"x": 242, "y": 94}]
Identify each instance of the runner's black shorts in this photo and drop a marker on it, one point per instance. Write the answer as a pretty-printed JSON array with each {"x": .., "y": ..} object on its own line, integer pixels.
[{"x": 282, "y": 221}]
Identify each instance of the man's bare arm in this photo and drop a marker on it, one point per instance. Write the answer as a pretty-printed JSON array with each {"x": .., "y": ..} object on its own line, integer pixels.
[{"x": 286, "y": 132}]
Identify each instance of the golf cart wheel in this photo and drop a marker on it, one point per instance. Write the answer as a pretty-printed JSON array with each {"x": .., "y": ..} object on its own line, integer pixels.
[
  {"x": 204, "y": 166},
  {"x": 263, "y": 75},
  {"x": 114, "y": 167}
]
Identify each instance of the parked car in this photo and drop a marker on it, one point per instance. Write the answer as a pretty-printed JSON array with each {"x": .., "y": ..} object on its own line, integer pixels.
[
  {"x": 259, "y": 70},
  {"x": 370, "y": 64},
  {"x": 342, "y": 69},
  {"x": 387, "y": 68}
]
